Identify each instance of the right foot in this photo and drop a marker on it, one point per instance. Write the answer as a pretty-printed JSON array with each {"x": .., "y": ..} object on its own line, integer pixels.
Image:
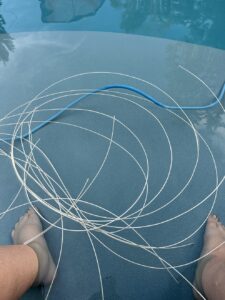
[
  {"x": 28, "y": 227},
  {"x": 214, "y": 236}
]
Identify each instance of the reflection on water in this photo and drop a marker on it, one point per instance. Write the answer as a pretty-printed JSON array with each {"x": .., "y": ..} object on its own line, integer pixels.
[
  {"x": 211, "y": 121},
  {"x": 54, "y": 11},
  {"x": 196, "y": 21},
  {"x": 6, "y": 42}
]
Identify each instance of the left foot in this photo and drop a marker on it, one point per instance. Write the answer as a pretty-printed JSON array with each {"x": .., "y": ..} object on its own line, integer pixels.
[{"x": 28, "y": 227}]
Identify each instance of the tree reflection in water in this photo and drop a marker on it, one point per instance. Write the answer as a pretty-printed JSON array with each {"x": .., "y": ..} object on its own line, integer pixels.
[
  {"x": 197, "y": 21},
  {"x": 6, "y": 41}
]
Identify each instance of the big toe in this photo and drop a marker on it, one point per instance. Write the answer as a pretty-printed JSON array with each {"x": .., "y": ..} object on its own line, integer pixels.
[
  {"x": 212, "y": 220},
  {"x": 33, "y": 218},
  {"x": 212, "y": 224}
]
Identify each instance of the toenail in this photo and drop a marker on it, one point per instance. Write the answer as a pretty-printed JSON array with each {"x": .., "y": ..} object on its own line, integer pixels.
[{"x": 30, "y": 211}]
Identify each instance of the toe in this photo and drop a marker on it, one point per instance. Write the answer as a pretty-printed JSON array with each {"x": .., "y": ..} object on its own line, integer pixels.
[
  {"x": 34, "y": 218},
  {"x": 23, "y": 219},
  {"x": 213, "y": 218},
  {"x": 30, "y": 211},
  {"x": 212, "y": 221},
  {"x": 211, "y": 228},
  {"x": 12, "y": 233}
]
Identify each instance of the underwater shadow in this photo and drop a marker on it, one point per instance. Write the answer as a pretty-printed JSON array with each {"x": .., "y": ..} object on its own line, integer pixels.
[{"x": 66, "y": 11}]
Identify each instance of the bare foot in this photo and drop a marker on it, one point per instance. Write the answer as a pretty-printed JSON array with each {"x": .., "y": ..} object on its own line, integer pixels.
[
  {"x": 29, "y": 226},
  {"x": 214, "y": 236}
]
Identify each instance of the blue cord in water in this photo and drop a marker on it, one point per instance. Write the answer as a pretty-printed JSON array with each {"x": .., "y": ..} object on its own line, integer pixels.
[{"x": 132, "y": 89}]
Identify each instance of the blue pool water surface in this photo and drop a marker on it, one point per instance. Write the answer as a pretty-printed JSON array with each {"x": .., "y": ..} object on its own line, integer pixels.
[{"x": 194, "y": 21}]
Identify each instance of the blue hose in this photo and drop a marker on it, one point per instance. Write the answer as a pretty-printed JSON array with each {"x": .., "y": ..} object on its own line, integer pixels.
[{"x": 132, "y": 89}]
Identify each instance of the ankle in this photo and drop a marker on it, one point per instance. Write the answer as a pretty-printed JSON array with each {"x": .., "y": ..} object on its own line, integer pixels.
[
  {"x": 43, "y": 262},
  {"x": 213, "y": 276}
]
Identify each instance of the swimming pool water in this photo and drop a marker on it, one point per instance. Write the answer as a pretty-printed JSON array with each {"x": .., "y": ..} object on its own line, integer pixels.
[{"x": 196, "y": 21}]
